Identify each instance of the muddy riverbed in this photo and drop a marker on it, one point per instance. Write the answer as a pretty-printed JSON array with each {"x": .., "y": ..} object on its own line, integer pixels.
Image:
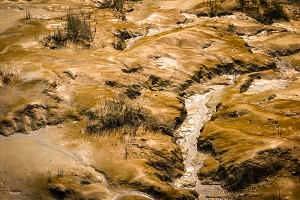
[{"x": 197, "y": 115}]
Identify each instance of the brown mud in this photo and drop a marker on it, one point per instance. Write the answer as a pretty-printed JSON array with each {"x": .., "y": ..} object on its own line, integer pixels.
[{"x": 119, "y": 117}]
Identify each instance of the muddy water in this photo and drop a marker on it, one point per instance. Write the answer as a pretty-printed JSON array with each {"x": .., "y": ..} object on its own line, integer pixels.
[{"x": 197, "y": 115}]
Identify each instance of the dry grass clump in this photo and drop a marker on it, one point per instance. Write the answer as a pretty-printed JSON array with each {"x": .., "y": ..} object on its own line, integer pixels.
[
  {"x": 265, "y": 11},
  {"x": 55, "y": 40},
  {"x": 116, "y": 5},
  {"x": 27, "y": 14},
  {"x": 8, "y": 73},
  {"x": 77, "y": 31},
  {"x": 114, "y": 115}
]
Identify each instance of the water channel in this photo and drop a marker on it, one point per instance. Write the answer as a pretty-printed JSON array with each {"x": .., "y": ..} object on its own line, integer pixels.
[{"x": 197, "y": 115}]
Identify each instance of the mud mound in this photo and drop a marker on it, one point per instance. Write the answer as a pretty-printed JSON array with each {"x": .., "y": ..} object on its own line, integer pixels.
[{"x": 252, "y": 137}]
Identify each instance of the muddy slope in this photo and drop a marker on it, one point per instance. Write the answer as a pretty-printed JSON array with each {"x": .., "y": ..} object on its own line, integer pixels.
[
  {"x": 253, "y": 133},
  {"x": 103, "y": 113}
]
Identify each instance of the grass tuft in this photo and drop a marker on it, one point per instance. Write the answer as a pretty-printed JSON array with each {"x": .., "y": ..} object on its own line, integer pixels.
[
  {"x": 116, "y": 5},
  {"x": 265, "y": 11},
  {"x": 77, "y": 31},
  {"x": 56, "y": 40},
  {"x": 8, "y": 74},
  {"x": 114, "y": 115},
  {"x": 27, "y": 14}
]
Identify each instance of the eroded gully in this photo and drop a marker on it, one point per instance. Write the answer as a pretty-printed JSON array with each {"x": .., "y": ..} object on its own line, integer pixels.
[{"x": 197, "y": 115}]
